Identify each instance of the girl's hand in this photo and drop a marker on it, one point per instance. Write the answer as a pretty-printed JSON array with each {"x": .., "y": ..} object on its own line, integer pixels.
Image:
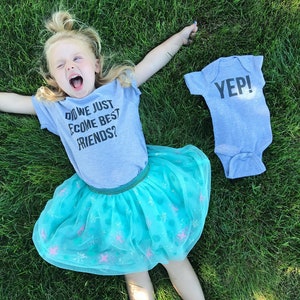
[{"x": 188, "y": 33}]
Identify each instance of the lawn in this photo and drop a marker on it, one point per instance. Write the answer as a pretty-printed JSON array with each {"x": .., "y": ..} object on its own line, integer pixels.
[{"x": 250, "y": 247}]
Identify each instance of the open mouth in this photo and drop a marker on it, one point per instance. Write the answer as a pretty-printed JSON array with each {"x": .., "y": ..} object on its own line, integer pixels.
[{"x": 76, "y": 82}]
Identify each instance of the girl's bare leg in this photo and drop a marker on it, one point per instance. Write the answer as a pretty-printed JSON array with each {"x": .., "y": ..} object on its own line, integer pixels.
[
  {"x": 139, "y": 286},
  {"x": 185, "y": 280}
]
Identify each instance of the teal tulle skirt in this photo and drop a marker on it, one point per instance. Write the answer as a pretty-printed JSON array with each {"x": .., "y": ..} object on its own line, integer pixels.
[{"x": 156, "y": 218}]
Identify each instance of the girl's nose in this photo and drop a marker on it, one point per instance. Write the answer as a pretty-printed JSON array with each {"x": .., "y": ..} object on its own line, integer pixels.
[{"x": 69, "y": 65}]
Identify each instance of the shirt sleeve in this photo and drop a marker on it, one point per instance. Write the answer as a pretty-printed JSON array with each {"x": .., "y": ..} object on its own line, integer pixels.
[
  {"x": 196, "y": 83},
  {"x": 44, "y": 111},
  {"x": 258, "y": 62}
]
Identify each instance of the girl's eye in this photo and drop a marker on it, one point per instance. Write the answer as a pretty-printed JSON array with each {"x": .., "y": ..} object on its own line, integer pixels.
[
  {"x": 59, "y": 66},
  {"x": 77, "y": 58}
]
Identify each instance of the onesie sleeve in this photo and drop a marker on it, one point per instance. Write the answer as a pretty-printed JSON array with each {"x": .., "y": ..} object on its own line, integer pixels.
[
  {"x": 196, "y": 83},
  {"x": 257, "y": 65},
  {"x": 43, "y": 110}
]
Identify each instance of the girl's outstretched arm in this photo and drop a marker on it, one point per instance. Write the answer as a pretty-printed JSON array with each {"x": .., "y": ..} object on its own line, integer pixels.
[
  {"x": 162, "y": 54},
  {"x": 15, "y": 103}
]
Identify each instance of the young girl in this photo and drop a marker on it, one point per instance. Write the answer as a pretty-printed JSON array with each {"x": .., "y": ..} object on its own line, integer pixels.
[{"x": 129, "y": 205}]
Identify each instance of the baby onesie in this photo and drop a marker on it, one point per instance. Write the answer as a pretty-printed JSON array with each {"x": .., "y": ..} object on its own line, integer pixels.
[{"x": 233, "y": 90}]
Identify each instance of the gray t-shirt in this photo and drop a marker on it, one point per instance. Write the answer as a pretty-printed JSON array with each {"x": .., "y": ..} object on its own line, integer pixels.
[{"x": 102, "y": 133}]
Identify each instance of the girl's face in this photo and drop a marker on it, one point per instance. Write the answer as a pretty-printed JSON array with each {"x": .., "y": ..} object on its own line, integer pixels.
[{"x": 73, "y": 66}]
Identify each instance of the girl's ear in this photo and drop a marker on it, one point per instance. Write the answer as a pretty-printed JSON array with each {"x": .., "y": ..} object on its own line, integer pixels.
[{"x": 97, "y": 66}]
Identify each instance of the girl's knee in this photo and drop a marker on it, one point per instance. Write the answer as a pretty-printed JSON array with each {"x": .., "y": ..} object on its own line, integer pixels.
[
  {"x": 140, "y": 276},
  {"x": 139, "y": 286},
  {"x": 175, "y": 265}
]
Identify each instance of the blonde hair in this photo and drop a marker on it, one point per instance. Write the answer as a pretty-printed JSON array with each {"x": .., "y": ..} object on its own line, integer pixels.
[{"x": 61, "y": 26}]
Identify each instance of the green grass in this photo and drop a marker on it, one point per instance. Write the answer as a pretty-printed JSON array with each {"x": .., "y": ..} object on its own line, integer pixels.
[{"x": 250, "y": 248}]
